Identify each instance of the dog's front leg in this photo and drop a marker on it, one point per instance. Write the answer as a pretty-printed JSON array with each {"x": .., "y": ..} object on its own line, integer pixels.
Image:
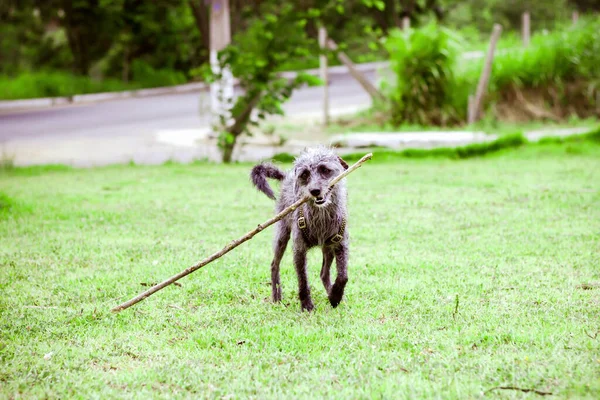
[
  {"x": 328, "y": 256},
  {"x": 282, "y": 236},
  {"x": 341, "y": 263},
  {"x": 303, "y": 287}
]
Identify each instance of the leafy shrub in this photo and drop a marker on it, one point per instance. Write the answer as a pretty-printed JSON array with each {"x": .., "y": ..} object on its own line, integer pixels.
[
  {"x": 423, "y": 64},
  {"x": 51, "y": 84},
  {"x": 29, "y": 85},
  {"x": 146, "y": 76}
]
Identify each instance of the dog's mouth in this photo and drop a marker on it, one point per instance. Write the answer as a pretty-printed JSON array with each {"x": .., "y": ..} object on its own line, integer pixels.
[{"x": 320, "y": 200}]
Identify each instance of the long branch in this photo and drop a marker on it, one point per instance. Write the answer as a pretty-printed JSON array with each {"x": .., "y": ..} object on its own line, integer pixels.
[{"x": 235, "y": 243}]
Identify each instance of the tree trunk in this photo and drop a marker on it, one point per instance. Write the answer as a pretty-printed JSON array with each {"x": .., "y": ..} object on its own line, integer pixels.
[
  {"x": 390, "y": 10},
  {"x": 239, "y": 124},
  {"x": 126, "y": 64},
  {"x": 437, "y": 9},
  {"x": 78, "y": 49},
  {"x": 409, "y": 8},
  {"x": 228, "y": 151},
  {"x": 381, "y": 20},
  {"x": 201, "y": 10}
]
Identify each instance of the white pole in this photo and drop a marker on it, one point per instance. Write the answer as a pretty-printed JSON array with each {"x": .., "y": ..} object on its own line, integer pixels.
[
  {"x": 324, "y": 74},
  {"x": 221, "y": 92},
  {"x": 526, "y": 28}
]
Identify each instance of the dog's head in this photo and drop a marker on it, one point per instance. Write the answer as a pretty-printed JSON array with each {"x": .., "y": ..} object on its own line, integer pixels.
[{"x": 313, "y": 170}]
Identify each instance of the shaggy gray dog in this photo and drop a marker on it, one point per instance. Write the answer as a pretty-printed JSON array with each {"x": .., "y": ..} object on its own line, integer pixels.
[{"x": 318, "y": 222}]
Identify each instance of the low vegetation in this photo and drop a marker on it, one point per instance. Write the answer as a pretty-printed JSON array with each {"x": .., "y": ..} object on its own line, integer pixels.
[{"x": 31, "y": 85}]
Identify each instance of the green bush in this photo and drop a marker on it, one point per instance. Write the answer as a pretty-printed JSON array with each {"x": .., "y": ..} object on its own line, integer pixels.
[
  {"x": 146, "y": 76},
  {"x": 423, "y": 65},
  {"x": 29, "y": 85}
]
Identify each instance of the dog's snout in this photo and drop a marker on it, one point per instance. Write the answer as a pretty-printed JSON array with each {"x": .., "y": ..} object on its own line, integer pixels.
[{"x": 315, "y": 192}]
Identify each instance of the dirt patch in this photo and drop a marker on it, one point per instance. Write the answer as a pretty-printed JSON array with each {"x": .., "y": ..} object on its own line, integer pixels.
[{"x": 554, "y": 103}]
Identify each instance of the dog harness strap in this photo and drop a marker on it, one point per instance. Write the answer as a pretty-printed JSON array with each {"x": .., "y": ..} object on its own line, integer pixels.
[
  {"x": 302, "y": 224},
  {"x": 338, "y": 237},
  {"x": 335, "y": 239}
]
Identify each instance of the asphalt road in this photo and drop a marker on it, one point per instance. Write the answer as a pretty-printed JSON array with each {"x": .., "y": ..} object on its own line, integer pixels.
[
  {"x": 144, "y": 117},
  {"x": 151, "y": 130}
]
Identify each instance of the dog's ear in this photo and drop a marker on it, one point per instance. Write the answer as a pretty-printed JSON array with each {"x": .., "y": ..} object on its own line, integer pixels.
[{"x": 344, "y": 164}]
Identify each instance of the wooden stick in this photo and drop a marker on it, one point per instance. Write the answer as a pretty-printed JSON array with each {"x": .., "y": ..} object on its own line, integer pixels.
[{"x": 235, "y": 243}]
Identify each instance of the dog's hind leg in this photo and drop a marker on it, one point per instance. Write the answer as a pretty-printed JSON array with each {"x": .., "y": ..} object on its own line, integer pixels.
[
  {"x": 328, "y": 256},
  {"x": 341, "y": 263},
  {"x": 282, "y": 236}
]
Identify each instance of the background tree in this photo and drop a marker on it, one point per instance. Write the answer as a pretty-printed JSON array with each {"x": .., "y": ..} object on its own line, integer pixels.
[{"x": 255, "y": 57}]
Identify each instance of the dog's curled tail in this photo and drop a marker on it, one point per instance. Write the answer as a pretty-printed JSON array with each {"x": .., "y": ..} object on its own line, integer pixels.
[{"x": 259, "y": 176}]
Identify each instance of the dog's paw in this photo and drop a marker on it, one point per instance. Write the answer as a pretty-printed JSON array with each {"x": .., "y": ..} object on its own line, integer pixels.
[
  {"x": 276, "y": 295},
  {"x": 335, "y": 296},
  {"x": 307, "y": 305},
  {"x": 335, "y": 301}
]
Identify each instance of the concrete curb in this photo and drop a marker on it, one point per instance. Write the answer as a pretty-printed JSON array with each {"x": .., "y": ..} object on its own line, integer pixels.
[
  {"x": 409, "y": 139},
  {"x": 422, "y": 140},
  {"x": 95, "y": 97}
]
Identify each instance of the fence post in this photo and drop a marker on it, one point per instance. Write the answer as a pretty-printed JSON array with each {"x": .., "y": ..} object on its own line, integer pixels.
[
  {"x": 470, "y": 116},
  {"x": 526, "y": 28},
  {"x": 405, "y": 23},
  {"x": 323, "y": 73},
  {"x": 485, "y": 74},
  {"x": 575, "y": 17}
]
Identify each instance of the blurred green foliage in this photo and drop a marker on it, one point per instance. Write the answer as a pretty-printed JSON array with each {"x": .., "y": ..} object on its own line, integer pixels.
[{"x": 102, "y": 38}]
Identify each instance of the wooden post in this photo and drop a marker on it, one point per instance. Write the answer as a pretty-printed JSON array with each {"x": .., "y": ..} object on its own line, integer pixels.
[
  {"x": 485, "y": 74},
  {"x": 364, "y": 82},
  {"x": 324, "y": 74},
  {"x": 221, "y": 92},
  {"x": 575, "y": 17},
  {"x": 405, "y": 23},
  {"x": 526, "y": 28},
  {"x": 470, "y": 116}
]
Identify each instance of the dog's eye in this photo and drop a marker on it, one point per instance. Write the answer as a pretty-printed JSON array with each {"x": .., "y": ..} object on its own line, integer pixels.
[
  {"x": 324, "y": 170},
  {"x": 304, "y": 174}
]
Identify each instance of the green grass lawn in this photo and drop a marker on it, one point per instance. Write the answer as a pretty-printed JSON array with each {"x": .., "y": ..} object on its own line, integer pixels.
[{"x": 464, "y": 276}]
